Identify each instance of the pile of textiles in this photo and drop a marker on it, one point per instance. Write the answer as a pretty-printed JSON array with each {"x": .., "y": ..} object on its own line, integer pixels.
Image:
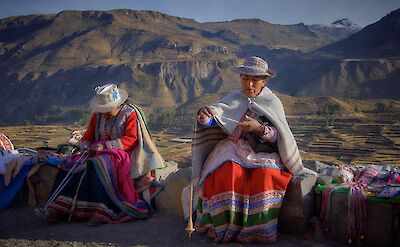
[
  {"x": 378, "y": 183},
  {"x": 17, "y": 168}
]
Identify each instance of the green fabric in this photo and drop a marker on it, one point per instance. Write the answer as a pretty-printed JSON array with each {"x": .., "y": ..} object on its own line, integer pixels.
[
  {"x": 320, "y": 188},
  {"x": 141, "y": 112},
  {"x": 238, "y": 218}
]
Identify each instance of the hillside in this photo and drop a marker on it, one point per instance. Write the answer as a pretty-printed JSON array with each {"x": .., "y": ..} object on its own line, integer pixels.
[
  {"x": 365, "y": 65},
  {"x": 49, "y": 64},
  {"x": 378, "y": 40}
]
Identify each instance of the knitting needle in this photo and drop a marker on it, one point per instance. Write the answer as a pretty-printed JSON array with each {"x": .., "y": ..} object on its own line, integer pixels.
[{"x": 232, "y": 120}]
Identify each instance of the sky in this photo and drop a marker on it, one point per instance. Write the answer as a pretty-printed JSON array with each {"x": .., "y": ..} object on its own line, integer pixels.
[{"x": 361, "y": 12}]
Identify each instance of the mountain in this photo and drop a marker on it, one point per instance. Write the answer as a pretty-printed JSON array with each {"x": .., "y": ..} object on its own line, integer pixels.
[
  {"x": 378, "y": 40},
  {"x": 49, "y": 64},
  {"x": 337, "y": 30},
  {"x": 318, "y": 76},
  {"x": 345, "y": 24},
  {"x": 365, "y": 65}
]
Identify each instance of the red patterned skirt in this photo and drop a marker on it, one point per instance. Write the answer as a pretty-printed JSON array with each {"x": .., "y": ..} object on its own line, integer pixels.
[{"x": 242, "y": 204}]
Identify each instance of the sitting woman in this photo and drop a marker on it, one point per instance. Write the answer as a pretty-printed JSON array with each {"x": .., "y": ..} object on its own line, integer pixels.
[
  {"x": 244, "y": 155},
  {"x": 119, "y": 149}
]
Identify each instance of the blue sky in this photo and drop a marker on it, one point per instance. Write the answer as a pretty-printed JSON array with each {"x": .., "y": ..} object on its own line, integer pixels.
[{"x": 361, "y": 12}]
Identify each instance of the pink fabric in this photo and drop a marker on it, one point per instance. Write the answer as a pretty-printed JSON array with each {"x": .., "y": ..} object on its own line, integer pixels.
[
  {"x": 368, "y": 175},
  {"x": 121, "y": 161}
]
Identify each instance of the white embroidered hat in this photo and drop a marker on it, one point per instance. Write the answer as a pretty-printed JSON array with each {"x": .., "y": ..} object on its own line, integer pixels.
[
  {"x": 255, "y": 66},
  {"x": 107, "y": 98}
]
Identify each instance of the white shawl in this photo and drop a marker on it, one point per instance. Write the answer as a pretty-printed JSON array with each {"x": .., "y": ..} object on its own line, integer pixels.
[{"x": 228, "y": 112}]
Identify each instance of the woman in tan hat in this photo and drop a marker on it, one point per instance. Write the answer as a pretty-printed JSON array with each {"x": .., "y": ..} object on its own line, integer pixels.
[
  {"x": 116, "y": 183},
  {"x": 244, "y": 155}
]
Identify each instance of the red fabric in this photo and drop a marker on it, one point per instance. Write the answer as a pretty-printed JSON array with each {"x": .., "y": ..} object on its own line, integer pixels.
[
  {"x": 232, "y": 177},
  {"x": 120, "y": 160},
  {"x": 89, "y": 134},
  {"x": 128, "y": 140}
]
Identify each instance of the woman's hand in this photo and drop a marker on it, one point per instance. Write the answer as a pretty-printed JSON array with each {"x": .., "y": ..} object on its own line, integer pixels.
[
  {"x": 250, "y": 125},
  {"x": 204, "y": 115},
  {"x": 99, "y": 147}
]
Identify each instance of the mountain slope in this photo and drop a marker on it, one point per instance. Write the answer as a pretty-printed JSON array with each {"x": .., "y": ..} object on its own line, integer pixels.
[
  {"x": 365, "y": 65},
  {"x": 377, "y": 40},
  {"x": 49, "y": 64}
]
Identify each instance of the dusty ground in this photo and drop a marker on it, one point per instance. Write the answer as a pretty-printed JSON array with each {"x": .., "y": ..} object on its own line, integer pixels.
[{"x": 20, "y": 227}]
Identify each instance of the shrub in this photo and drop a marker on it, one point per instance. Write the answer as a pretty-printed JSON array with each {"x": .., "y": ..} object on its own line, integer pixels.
[{"x": 163, "y": 115}]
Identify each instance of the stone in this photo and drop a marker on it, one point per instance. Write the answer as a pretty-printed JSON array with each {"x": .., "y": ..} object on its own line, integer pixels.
[
  {"x": 315, "y": 165},
  {"x": 169, "y": 200},
  {"x": 324, "y": 179},
  {"x": 171, "y": 167},
  {"x": 298, "y": 205}
]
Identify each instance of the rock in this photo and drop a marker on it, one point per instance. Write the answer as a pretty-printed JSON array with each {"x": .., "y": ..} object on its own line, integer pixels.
[
  {"x": 169, "y": 200},
  {"x": 315, "y": 165},
  {"x": 171, "y": 167},
  {"x": 298, "y": 205},
  {"x": 397, "y": 226},
  {"x": 324, "y": 179}
]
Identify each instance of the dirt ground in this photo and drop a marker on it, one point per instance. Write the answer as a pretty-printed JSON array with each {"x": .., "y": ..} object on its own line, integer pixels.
[{"x": 19, "y": 226}]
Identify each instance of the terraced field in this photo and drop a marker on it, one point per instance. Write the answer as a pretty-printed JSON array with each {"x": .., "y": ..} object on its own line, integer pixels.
[
  {"x": 346, "y": 141},
  {"x": 356, "y": 141}
]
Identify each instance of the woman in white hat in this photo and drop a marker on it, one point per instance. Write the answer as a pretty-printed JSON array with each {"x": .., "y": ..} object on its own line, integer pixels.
[
  {"x": 117, "y": 182},
  {"x": 244, "y": 155}
]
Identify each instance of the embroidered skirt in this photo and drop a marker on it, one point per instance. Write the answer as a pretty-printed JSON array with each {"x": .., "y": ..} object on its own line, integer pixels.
[
  {"x": 93, "y": 193},
  {"x": 242, "y": 204}
]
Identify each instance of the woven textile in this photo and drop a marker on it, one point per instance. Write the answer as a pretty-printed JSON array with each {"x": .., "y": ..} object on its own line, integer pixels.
[{"x": 240, "y": 204}]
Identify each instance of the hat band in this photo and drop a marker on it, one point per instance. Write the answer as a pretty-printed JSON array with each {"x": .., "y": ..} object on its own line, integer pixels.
[{"x": 105, "y": 99}]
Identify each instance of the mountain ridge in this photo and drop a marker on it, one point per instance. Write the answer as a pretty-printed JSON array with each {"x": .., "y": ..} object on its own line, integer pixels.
[{"x": 172, "y": 60}]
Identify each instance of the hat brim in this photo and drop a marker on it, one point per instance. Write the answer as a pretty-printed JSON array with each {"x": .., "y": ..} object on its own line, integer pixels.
[
  {"x": 254, "y": 72},
  {"x": 96, "y": 107}
]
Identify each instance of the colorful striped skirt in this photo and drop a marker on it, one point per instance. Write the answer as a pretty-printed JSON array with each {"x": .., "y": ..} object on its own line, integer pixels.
[
  {"x": 242, "y": 204},
  {"x": 94, "y": 192}
]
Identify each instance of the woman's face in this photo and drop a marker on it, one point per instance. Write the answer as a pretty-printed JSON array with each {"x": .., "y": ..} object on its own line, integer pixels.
[
  {"x": 112, "y": 113},
  {"x": 252, "y": 85}
]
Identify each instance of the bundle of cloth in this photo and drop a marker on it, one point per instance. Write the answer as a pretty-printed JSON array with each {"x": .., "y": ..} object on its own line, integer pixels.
[
  {"x": 382, "y": 181},
  {"x": 13, "y": 169},
  {"x": 17, "y": 169},
  {"x": 376, "y": 182}
]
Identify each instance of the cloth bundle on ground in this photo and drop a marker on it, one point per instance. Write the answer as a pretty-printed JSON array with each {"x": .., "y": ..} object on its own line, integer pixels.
[
  {"x": 378, "y": 180},
  {"x": 371, "y": 182},
  {"x": 41, "y": 177},
  {"x": 10, "y": 164},
  {"x": 24, "y": 168},
  {"x": 328, "y": 174}
]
